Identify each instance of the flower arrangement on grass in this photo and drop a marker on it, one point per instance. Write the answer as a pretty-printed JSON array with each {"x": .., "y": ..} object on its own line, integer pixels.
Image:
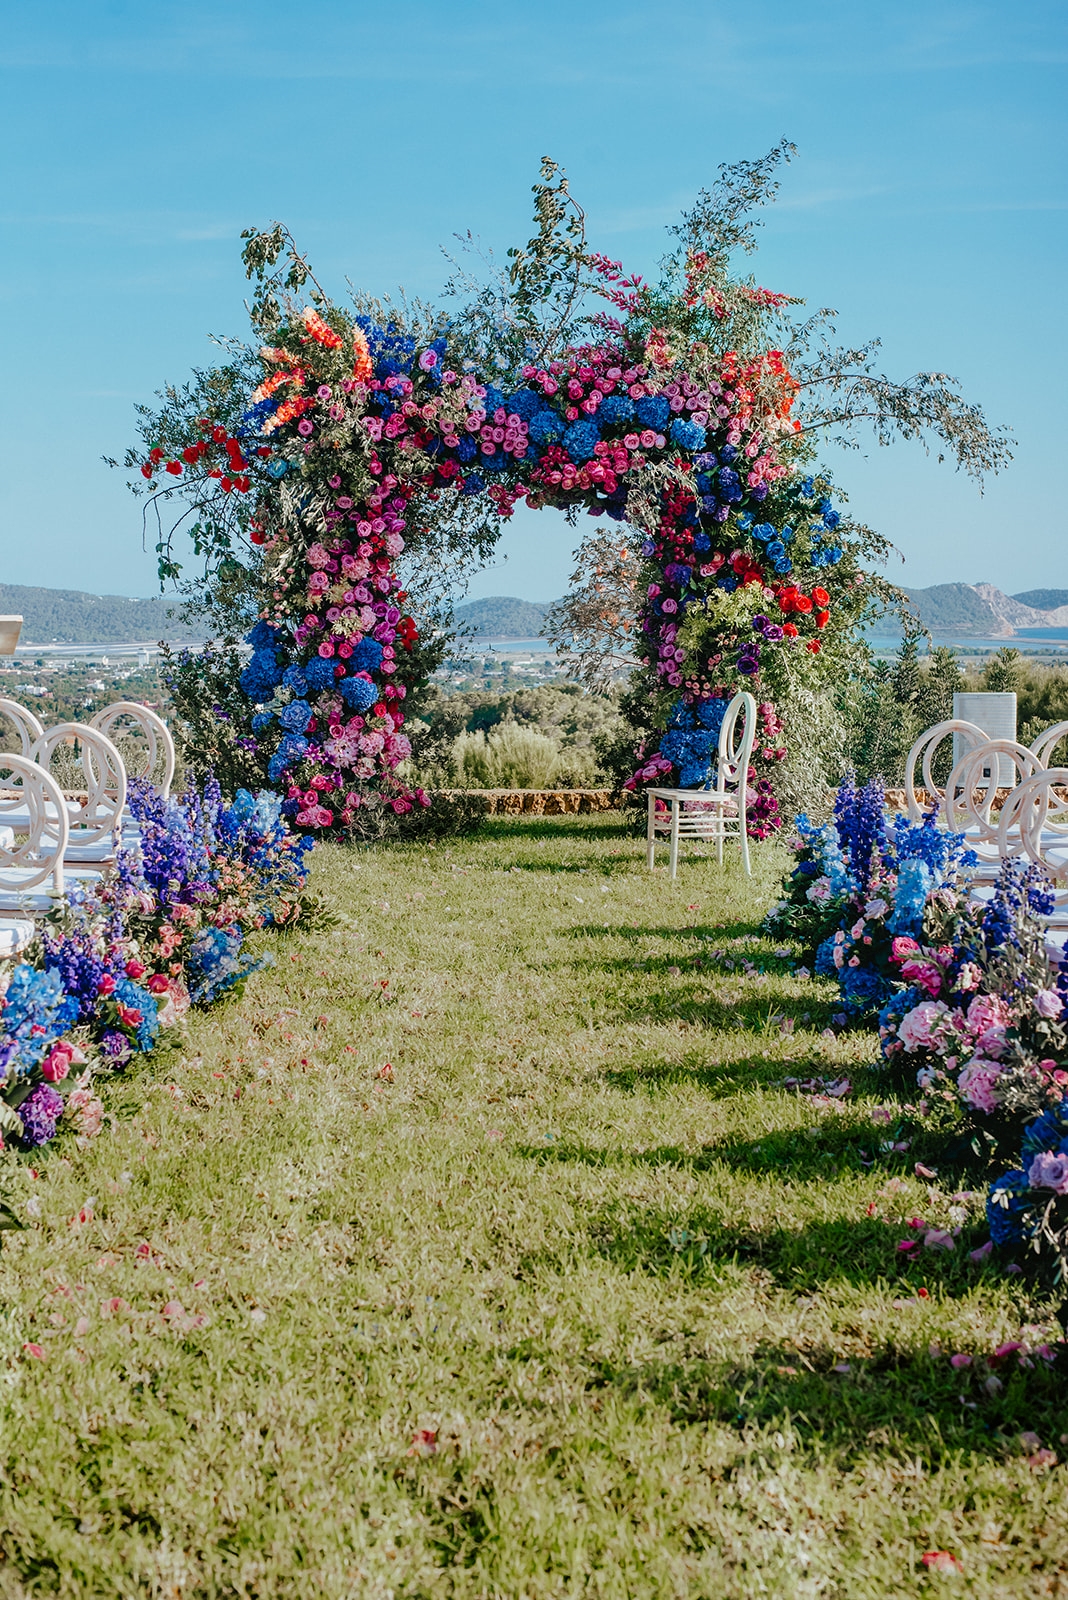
[
  {"x": 972, "y": 996},
  {"x": 980, "y": 1017},
  {"x": 119, "y": 964},
  {"x": 862, "y": 890}
]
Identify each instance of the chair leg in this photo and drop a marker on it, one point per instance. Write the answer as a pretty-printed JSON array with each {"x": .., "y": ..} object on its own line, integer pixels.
[
  {"x": 743, "y": 834},
  {"x": 650, "y": 834},
  {"x": 676, "y": 809},
  {"x": 721, "y": 824}
]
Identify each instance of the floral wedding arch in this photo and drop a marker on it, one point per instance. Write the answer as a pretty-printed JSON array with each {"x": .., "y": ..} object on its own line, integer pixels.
[{"x": 353, "y": 425}]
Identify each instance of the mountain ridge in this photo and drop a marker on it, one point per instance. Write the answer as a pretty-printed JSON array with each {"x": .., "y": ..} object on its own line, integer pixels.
[
  {"x": 73, "y": 616},
  {"x": 982, "y": 610}
]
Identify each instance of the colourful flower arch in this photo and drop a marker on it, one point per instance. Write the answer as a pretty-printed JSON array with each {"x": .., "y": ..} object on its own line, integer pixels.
[{"x": 352, "y": 422}]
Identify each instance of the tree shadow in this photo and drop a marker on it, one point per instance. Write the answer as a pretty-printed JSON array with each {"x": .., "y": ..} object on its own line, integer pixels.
[
  {"x": 592, "y": 828},
  {"x": 807, "y": 1259},
  {"x": 894, "y": 1402}
]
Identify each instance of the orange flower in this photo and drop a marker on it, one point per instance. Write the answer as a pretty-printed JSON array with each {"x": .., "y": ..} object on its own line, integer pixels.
[
  {"x": 276, "y": 353},
  {"x": 269, "y": 385},
  {"x": 287, "y": 411},
  {"x": 321, "y": 331},
  {"x": 362, "y": 369}
]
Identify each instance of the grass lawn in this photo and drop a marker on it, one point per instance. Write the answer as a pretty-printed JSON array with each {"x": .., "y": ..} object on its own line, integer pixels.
[{"x": 572, "y": 1297}]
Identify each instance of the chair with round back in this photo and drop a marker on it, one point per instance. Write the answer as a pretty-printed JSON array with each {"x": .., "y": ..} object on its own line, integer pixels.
[
  {"x": 143, "y": 740},
  {"x": 924, "y": 751},
  {"x": 1047, "y": 742},
  {"x": 971, "y": 791},
  {"x": 27, "y": 728},
  {"x": 1034, "y": 823},
  {"x": 88, "y": 758},
  {"x": 32, "y": 850}
]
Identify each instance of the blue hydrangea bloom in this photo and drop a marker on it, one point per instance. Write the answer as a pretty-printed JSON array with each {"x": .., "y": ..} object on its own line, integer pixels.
[
  {"x": 653, "y": 412},
  {"x": 524, "y": 403},
  {"x": 296, "y": 716},
  {"x": 367, "y": 656},
  {"x": 710, "y": 715},
  {"x": 262, "y": 721},
  {"x": 293, "y": 678},
  {"x": 261, "y": 675},
  {"x": 131, "y": 994},
  {"x": 292, "y": 749},
  {"x": 1005, "y": 1215},
  {"x": 686, "y": 434},
  {"x": 262, "y": 637},
  {"x": 467, "y": 449},
  {"x": 358, "y": 693},
  {"x": 546, "y": 427},
  {"x": 319, "y": 672},
  {"x": 581, "y": 439},
  {"x": 730, "y": 486},
  {"x": 616, "y": 410},
  {"x": 824, "y": 966}
]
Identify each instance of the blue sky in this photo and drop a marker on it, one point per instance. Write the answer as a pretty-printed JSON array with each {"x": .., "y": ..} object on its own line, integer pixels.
[{"x": 927, "y": 205}]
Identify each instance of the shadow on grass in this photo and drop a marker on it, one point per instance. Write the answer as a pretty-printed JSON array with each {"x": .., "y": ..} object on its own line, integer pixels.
[
  {"x": 894, "y": 1402},
  {"x": 861, "y": 1251},
  {"x": 591, "y": 828}
]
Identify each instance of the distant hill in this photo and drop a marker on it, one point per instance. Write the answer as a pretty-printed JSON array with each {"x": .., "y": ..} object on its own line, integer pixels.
[
  {"x": 502, "y": 617},
  {"x": 67, "y": 616},
  {"x": 1043, "y": 599},
  {"x": 982, "y": 611},
  {"x": 955, "y": 608}
]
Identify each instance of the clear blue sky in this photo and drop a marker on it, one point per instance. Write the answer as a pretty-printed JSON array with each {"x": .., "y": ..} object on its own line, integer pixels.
[{"x": 927, "y": 205}]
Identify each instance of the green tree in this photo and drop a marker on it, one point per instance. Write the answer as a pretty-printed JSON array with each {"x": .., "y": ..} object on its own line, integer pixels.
[{"x": 1002, "y": 674}]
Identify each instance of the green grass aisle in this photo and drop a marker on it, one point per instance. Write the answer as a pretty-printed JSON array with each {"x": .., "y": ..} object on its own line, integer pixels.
[{"x": 481, "y": 1251}]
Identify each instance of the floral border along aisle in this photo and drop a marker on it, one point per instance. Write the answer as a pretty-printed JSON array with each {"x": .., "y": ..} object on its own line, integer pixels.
[
  {"x": 115, "y": 969},
  {"x": 970, "y": 998}
]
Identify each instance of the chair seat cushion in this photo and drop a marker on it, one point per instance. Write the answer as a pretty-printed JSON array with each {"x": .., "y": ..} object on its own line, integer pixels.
[{"x": 15, "y": 934}]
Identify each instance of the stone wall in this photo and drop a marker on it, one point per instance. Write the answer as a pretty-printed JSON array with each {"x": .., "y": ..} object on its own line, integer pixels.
[{"x": 544, "y": 802}]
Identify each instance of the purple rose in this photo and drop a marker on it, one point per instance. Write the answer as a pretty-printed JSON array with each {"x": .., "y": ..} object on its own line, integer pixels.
[
  {"x": 1047, "y": 1003},
  {"x": 1049, "y": 1171}
]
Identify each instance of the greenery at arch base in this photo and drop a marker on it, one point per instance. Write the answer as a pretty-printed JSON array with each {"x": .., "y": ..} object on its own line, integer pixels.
[{"x": 359, "y": 443}]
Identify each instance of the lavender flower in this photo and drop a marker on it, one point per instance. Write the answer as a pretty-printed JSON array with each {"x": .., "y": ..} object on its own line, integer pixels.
[{"x": 40, "y": 1111}]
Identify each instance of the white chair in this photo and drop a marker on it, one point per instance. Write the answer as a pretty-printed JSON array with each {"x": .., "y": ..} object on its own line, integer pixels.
[
  {"x": 27, "y": 728},
  {"x": 1047, "y": 742},
  {"x": 31, "y": 862},
  {"x": 95, "y": 811},
  {"x": 1034, "y": 822},
  {"x": 924, "y": 751},
  {"x": 718, "y": 812},
  {"x": 970, "y": 794},
  {"x": 142, "y": 737}
]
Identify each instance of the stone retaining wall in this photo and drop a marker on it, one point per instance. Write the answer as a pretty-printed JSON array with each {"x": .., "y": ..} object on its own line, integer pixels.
[{"x": 543, "y": 802}]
